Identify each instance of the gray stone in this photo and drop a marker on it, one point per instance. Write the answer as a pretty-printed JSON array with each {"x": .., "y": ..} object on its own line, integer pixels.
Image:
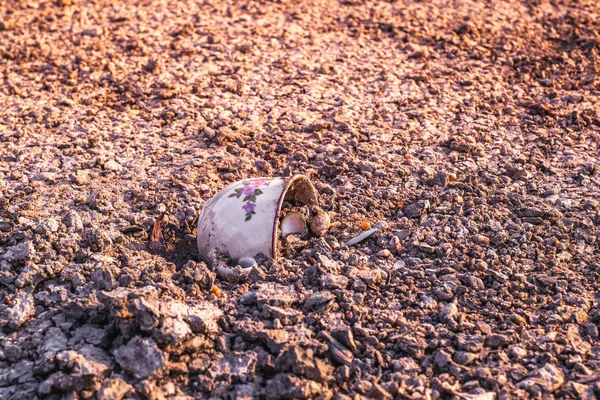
[
  {"x": 442, "y": 358},
  {"x": 416, "y": 209},
  {"x": 86, "y": 361},
  {"x": 113, "y": 166},
  {"x": 141, "y": 357},
  {"x": 20, "y": 252},
  {"x": 89, "y": 334},
  {"x": 275, "y": 339},
  {"x": 440, "y": 179},
  {"x": 55, "y": 341},
  {"x": 32, "y": 274},
  {"x": 73, "y": 221},
  {"x": 464, "y": 357},
  {"x": 103, "y": 278},
  {"x": 204, "y": 317},
  {"x": 406, "y": 365},
  {"x": 334, "y": 281},
  {"x": 544, "y": 380},
  {"x": 497, "y": 340},
  {"x": 6, "y": 226},
  {"x": 22, "y": 310},
  {"x": 470, "y": 343},
  {"x": 234, "y": 365},
  {"x": 303, "y": 362},
  {"x": 448, "y": 312},
  {"x": 48, "y": 225}
]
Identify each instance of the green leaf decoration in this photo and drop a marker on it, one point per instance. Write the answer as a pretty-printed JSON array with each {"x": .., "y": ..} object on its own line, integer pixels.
[
  {"x": 248, "y": 217},
  {"x": 257, "y": 192}
]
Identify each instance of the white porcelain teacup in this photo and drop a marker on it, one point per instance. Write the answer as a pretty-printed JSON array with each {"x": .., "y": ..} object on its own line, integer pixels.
[{"x": 242, "y": 220}]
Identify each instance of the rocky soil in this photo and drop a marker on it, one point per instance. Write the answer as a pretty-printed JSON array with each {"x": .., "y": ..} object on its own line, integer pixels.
[{"x": 471, "y": 128}]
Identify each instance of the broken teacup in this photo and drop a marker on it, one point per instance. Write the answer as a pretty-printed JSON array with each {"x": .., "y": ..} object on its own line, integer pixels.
[{"x": 243, "y": 220}]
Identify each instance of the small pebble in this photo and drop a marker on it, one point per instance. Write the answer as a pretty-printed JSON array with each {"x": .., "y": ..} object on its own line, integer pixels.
[
  {"x": 385, "y": 253},
  {"x": 112, "y": 166}
]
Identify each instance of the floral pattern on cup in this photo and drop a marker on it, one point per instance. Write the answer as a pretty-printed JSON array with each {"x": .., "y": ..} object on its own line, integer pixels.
[{"x": 250, "y": 191}]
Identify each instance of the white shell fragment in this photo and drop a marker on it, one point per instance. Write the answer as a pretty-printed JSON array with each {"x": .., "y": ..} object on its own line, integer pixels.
[
  {"x": 227, "y": 273},
  {"x": 293, "y": 222},
  {"x": 245, "y": 265},
  {"x": 366, "y": 234}
]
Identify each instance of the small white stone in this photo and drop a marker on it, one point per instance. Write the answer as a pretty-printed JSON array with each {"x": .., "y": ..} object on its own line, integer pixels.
[
  {"x": 112, "y": 165},
  {"x": 385, "y": 253},
  {"x": 19, "y": 252},
  {"x": 293, "y": 222},
  {"x": 48, "y": 224},
  {"x": 247, "y": 262}
]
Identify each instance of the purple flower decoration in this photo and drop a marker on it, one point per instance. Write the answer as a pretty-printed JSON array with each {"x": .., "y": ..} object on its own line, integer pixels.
[
  {"x": 248, "y": 193},
  {"x": 249, "y": 207},
  {"x": 248, "y": 190}
]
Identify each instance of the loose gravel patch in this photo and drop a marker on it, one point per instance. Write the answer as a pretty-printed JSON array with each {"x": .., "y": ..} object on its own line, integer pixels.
[{"x": 470, "y": 128}]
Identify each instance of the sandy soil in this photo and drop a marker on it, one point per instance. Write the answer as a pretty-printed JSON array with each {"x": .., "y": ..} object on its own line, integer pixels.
[{"x": 470, "y": 127}]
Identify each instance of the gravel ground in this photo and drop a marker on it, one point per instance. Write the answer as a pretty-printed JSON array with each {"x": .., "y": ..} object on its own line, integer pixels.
[{"x": 471, "y": 128}]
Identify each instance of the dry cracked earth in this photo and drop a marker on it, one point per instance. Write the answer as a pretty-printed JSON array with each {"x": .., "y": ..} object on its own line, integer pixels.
[{"x": 470, "y": 127}]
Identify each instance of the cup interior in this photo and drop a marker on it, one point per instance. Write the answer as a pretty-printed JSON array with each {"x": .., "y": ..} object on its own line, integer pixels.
[{"x": 300, "y": 190}]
